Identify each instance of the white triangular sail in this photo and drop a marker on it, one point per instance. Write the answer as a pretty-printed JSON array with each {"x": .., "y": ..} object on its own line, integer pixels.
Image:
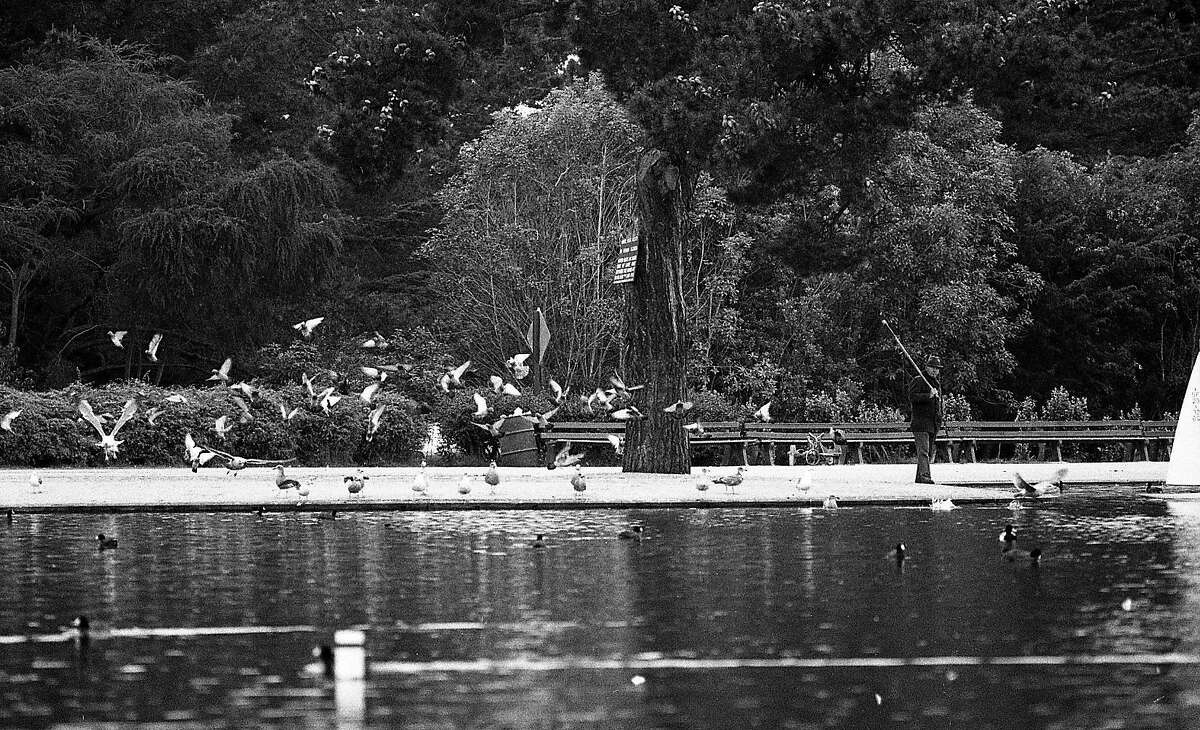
[{"x": 1184, "y": 469}]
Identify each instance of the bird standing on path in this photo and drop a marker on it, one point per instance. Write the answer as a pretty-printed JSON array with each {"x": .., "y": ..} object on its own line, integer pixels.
[
  {"x": 830, "y": 502},
  {"x": 464, "y": 485},
  {"x": 730, "y": 480},
  {"x": 579, "y": 481},
  {"x": 492, "y": 478},
  {"x": 420, "y": 481},
  {"x": 282, "y": 481},
  {"x": 355, "y": 482}
]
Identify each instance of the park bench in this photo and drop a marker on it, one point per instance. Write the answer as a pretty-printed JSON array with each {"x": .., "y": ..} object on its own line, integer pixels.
[
  {"x": 808, "y": 443},
  {"x": 1046, "y": 436},
  {"x": 1157, "y": 438},
  {"x": 716, "y": 433}
]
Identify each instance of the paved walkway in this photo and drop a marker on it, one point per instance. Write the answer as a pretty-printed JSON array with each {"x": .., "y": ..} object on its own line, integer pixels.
[{"x": 390, "y": 488}]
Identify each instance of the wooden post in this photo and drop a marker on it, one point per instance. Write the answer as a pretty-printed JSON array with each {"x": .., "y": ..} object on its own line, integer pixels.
[{"x": 655, "y": 333}]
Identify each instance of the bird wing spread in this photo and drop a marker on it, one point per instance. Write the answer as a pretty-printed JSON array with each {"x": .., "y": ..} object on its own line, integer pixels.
[
  {"x": 89, "y": 415},
  {"x": 126, "y": 413}
]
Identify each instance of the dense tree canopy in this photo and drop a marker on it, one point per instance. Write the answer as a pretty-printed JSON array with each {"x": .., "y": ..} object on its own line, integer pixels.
[{"x": 1012, "y": 184}]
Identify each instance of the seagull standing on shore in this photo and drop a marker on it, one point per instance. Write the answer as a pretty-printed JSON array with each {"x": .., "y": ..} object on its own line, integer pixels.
[
  {"x": 355, "y": 482},
  {"x": 730, "y": 480}
]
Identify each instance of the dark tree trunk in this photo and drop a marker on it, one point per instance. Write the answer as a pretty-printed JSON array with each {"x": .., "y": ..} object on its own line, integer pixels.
[{"x": 655, "y": 336}]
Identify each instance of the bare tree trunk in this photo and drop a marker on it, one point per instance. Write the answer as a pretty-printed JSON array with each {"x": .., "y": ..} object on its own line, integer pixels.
[{"x": 655, "y": 338}]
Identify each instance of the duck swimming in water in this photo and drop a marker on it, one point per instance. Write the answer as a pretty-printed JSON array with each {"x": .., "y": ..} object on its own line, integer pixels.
[
  {"x": 634, "y": 533},
  {"x": 1009, "y": 536},
  {"x": 1013, "y": 555},
  {"x": 105, "y": 543}
]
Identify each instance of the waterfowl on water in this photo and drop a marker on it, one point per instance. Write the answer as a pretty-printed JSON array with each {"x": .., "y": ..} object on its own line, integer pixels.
[
  {"x": 1013, "y": 555},
  {"x": 634, "y": 533},
  {"x": 1009, "y": 536},
  {"x": 898, "y": 553},
  {"x": 830, "y": 502},
  {"x": 539, "y": 542},
  {"x": 104, "y": 542}
]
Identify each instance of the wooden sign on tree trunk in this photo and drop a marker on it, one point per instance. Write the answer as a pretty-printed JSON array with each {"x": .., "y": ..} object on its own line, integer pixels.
[{"x": 655, "y": 338}]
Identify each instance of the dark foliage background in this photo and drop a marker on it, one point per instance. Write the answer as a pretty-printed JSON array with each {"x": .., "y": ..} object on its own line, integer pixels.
[{"x": 1011, "y": 184}]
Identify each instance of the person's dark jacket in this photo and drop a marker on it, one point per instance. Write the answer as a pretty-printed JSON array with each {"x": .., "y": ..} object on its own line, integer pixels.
[{"x": 926, "y": 410}]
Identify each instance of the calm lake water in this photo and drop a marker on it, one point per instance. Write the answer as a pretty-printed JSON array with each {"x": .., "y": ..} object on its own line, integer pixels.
[{"x": 720, "y": 618}]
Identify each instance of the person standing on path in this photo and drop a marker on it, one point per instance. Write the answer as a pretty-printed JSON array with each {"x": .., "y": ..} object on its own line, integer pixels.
[{"x": 924, "y": 393}]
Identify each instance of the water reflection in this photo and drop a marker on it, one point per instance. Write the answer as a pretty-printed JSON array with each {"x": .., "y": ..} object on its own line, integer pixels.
[{"x": 723, "y": 613}]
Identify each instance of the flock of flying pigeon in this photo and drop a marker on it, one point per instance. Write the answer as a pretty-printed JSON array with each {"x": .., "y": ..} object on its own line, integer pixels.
[{"x": 613, "y": 399}]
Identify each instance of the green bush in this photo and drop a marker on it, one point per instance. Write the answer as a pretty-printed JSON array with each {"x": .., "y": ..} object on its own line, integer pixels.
[{"x": 51, "y": 432}]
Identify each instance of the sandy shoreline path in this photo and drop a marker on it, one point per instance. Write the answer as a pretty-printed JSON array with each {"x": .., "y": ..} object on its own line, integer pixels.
[{"x": 390, "y": 488}]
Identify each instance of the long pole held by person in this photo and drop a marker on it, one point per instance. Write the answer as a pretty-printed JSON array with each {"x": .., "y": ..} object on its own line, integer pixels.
[{"x": 910, "y": 357}]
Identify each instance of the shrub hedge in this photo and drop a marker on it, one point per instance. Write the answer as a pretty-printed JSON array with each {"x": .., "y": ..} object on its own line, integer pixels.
[{"x": 50, "y": 431}]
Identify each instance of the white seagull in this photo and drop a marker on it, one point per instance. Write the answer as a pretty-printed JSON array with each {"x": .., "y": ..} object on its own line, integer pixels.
[
  {"x": 374, "y": 418},
  {"x": 108, "y": 441},
  {"x": 306, "y": 327},
  {"x": 764, "y": 413},
  {"x": 453, "y": 378},
  {"x": 117, "y": 336},
  {"x": 152, "y": 348},
  {"x": 222, "y": 373}
]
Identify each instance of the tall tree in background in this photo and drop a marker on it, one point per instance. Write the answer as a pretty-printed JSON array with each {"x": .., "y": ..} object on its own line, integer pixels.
[
  {"x": 776, "y": 97},
  {"x": 121, "y": 179}
]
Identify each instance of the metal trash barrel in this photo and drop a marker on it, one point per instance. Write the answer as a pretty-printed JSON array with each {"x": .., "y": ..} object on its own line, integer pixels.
[{"x": 518, "y": 442}]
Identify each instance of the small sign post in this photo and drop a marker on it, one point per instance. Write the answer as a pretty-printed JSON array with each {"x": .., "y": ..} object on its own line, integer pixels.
[{"x": 626, "y": 261}]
